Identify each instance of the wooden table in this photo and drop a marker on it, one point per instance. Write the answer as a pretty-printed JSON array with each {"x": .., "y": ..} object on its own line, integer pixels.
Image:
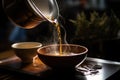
[{"x": 11, "y": 68}]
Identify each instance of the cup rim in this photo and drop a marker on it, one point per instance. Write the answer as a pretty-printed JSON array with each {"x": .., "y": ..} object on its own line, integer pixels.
[
  {"x": 35, "y": 45},
  {"x": 84, "y": 52}
]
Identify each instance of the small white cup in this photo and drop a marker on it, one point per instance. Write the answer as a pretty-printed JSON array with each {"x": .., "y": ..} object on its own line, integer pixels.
[{"x": 26, "y": 50}]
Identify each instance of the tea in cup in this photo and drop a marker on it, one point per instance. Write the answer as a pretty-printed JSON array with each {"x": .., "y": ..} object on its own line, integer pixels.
[{"x": 71, "y": 55}]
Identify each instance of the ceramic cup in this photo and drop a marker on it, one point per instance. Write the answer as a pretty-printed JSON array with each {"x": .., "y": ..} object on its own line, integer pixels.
[
  {"x": 26, "y": 50},
  {"x": 71, "y": 55}
]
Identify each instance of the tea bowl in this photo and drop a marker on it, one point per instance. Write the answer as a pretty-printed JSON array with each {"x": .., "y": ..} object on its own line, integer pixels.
[
  {"x": 71, "y": 55},
  {"x": 26, "y": 50}
]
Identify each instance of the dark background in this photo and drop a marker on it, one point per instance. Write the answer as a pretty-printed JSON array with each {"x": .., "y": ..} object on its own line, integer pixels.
[{"x": 10, "y": 33}]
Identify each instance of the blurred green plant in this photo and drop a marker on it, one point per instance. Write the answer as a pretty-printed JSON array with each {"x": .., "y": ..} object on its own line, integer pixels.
[{"x": 97, "y": 26}]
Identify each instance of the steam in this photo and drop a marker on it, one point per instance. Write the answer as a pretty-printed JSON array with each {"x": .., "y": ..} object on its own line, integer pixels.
[
  {"x": 54, "y": 38},
  {"x": 58, "y": 36},
  {"x": 63, "y": 38}
]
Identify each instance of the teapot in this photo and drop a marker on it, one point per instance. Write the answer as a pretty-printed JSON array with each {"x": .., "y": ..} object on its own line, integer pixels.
[{"x": 30, "y": 13}]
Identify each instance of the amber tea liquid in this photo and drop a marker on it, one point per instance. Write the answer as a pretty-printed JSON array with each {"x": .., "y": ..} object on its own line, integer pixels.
[{"x": 57, "y": 25}]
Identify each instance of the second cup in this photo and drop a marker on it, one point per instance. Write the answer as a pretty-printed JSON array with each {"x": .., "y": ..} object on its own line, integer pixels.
[{"x": 26, "y": 50}]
